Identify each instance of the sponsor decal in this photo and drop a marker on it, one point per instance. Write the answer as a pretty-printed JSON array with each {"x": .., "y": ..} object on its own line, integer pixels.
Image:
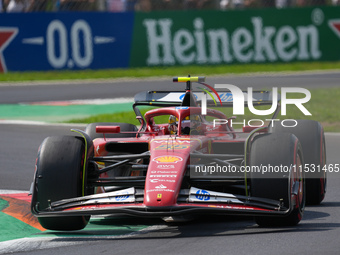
[
  {"x": 172, "y": 147},
  {"x": 157, "y": 190},
  {"x": 160, "y": 180},
  {"x": 122, "y": 197},
  {"x": 182, "y": 108},
  {"x": 165, "y": 166},
  {"x": 163, "y": 176},
  {"x": 226, "y": 97},
  {"x": 65, "y": 54},
  {"x": 166, "y": 172},
  {"x": 161, "y": 187},
  {"x": 173, "y": 141},
  {"x": 163, "y": 172},
  {"x": 256, "y": 42},
  {"x": 203, "y": 195},
  {"x": 232, "y": 207},
  {"x": 167, "y": 159}
]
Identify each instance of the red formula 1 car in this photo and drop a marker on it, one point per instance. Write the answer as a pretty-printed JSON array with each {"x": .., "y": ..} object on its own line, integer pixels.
[{"x": 190, "y": 164}]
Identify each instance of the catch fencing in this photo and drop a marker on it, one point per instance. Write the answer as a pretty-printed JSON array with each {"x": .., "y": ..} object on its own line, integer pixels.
[{"x": 154, "y": 5}]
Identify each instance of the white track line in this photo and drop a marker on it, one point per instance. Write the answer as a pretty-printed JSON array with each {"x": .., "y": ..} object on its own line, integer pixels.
[
  {"x": 39, "y": 123},
  {"x": 96, "y": 101},
  {"x": 6, "y": 191}
]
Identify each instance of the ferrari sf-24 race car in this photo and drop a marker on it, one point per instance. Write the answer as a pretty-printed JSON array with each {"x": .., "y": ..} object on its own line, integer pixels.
[{"x": 161, "y": 169}]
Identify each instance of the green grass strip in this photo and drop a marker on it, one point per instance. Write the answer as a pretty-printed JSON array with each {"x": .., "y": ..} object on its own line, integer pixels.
[
  {"x": 58, "y": 113},
  {"x": 204, "y": 70},
  {"x": 12, "y": 228},
  {"x": 322, "y": 107}
]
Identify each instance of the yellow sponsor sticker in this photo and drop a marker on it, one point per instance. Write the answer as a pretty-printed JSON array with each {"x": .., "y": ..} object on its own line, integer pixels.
[{"x": 167, "y": 159}]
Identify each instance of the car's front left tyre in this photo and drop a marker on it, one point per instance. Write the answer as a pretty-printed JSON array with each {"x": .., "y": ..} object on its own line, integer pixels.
[
  {"x": 279, "y": 159},
  {"x": 311, "y": 136}
]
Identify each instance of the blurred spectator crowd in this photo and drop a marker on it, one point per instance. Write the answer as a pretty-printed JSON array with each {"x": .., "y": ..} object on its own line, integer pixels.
[{"x": 150, "y": 5}]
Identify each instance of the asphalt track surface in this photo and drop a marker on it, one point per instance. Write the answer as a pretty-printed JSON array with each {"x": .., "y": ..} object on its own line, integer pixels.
[
  {"x": 51, "y": 91},
  {"x": 317, "y": 233}
]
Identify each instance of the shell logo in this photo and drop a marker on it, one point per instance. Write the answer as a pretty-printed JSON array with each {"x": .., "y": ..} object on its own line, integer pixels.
[{"x": 167, "y": 159}]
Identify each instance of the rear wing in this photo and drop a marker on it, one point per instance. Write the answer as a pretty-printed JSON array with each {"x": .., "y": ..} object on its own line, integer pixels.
[
  {"x": 164, "y": 98},
  {"x": 203, "y": 97}
]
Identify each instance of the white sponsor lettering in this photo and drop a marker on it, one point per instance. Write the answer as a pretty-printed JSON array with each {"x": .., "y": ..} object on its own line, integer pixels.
[
  {"x": 165, "y": 166},
  {"x": 161, "y": 186},
  {"x": 164, "y": 190},
  {"x": 214, "y": 46},
  {"x": 160, "y": 180},
  {"x": 163, "y": 176},
  {"x": 171, "y": 141}
]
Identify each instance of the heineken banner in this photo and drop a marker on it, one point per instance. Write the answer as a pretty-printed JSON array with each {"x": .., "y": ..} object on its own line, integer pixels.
[
  {"x": 231, "y": 37},
  {"x": 75, "y": 40}
]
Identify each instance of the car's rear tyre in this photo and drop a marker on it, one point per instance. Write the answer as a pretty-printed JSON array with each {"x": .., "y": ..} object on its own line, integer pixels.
[
  {"x": 124, "y": 127},
  {"x": 311, "y": 136},
  {"x": 279, "y": 152},
  {"x": 59, "y": 175}
]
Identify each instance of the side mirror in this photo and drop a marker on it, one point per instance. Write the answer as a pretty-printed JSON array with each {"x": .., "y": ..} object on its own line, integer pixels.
[{"x": 108, "y": 129}]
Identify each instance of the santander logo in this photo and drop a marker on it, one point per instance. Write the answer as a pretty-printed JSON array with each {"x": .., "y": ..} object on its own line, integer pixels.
[{"x": 7, "y": 34}]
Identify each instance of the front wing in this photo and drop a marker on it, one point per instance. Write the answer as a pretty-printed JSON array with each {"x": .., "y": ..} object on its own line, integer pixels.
[{"x": 127, "y": 202}]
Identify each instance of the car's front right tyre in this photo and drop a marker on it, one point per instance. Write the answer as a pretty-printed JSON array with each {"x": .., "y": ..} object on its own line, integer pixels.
[{"x": 60, "y": 175}]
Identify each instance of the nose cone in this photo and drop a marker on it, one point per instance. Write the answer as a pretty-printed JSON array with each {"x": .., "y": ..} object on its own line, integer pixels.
[
  {"x": 163, "y": 180},
  {"x": 168, "y": 164},
  {"x": 162, "y": 196}
]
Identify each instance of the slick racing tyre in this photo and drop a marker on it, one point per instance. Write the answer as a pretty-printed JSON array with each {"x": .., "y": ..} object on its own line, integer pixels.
[
  {"x": 311, "y": 136},
  {"x": 59, "y": 175},
  {"x": 124, "y": 127},
  {"x": 285, "y": 183}
]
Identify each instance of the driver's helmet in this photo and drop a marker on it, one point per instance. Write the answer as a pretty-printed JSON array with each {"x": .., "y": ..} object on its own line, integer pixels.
[
  {"x": 173, "y": 124},
  {"x": 189, "y": 126}
]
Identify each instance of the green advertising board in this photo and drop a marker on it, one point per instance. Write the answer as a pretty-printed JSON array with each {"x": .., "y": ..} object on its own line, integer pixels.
[{"x": 232, "y": 37}]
